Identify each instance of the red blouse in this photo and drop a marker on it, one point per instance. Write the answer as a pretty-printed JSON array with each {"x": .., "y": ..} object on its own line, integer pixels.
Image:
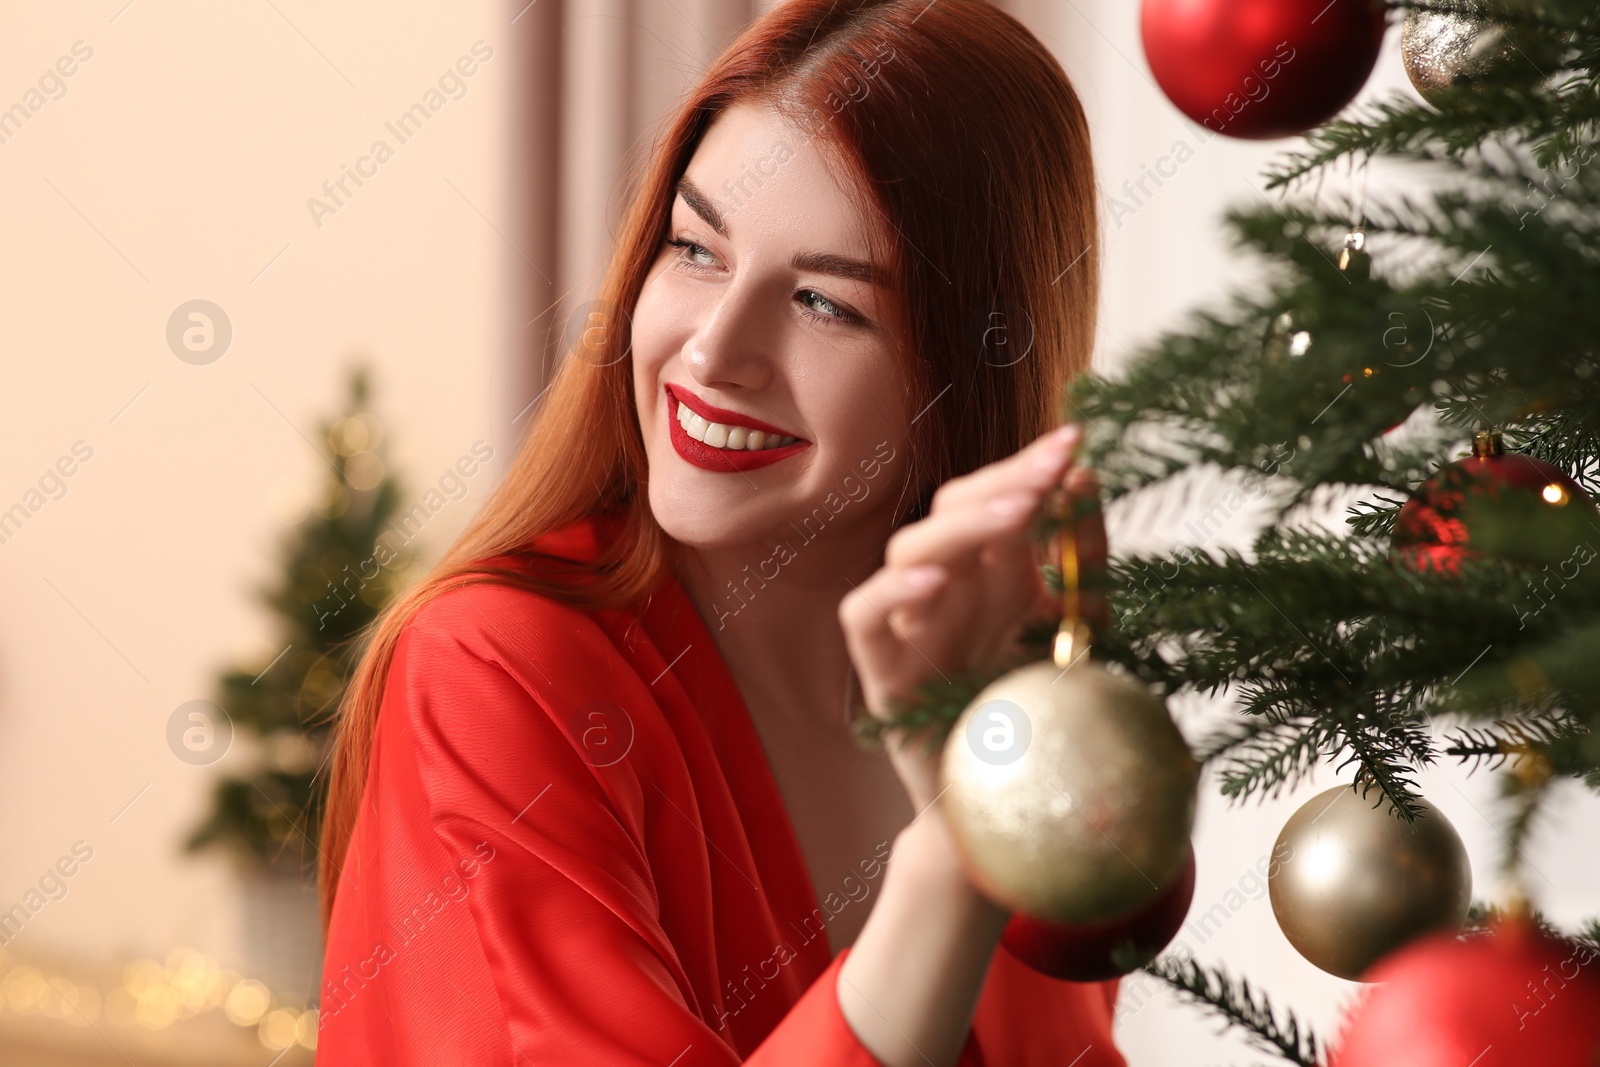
[{"x": 571, "y": 851}]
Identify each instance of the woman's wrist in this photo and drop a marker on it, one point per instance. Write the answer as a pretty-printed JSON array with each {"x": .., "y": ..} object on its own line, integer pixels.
[
  {"x": 912, "y": 981},
  {"x": 927, "y": 856}
]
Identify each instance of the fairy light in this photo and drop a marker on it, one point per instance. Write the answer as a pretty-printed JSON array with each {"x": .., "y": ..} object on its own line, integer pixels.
[
  {"x": 153, "y": 995},
  {"x": 22, "y": 988},
  {"x": 276, "y": 1029},
  {"x": 247, "y": 1003}
]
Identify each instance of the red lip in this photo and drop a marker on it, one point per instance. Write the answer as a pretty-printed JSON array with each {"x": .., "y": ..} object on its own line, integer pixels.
[{"x": 722, "y": 460}]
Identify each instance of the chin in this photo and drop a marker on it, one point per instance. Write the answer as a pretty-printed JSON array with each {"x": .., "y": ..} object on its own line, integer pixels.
[
  {"x": 716, "y": 510},
  {"x": 691, "y": 517}
]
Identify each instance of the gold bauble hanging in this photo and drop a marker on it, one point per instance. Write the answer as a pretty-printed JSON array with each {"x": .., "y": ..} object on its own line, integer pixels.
[
  {"x": 1070, "y": 793},
  {"x": 1067, "y": 787},
  {"x": 1446, "y": 51},
  {"x": 1354, "y": 881}
]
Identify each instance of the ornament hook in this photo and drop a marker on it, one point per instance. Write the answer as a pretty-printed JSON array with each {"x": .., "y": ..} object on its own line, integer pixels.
[{"x": 1072, "y": 639}]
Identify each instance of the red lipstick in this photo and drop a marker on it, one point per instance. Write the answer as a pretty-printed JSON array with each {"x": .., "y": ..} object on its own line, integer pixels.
[{"x": 722, "y": 460}]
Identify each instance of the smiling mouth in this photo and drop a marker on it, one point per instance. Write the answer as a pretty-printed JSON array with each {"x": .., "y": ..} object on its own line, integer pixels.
[
  {"x": 717, "y": 439},
  {"x": 720, "y": 428}
]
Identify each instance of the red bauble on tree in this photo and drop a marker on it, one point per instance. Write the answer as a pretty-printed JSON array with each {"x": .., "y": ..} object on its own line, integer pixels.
[
  {"x": 1513, "y": 998},
  {"x": 1490, "y": 503},
  {"x": 1261, "y": 68},
  {"x": 1094, "y": 952}
]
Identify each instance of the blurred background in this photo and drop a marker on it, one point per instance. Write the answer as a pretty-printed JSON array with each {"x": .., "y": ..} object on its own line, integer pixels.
[{"x": 281, "y": 289}]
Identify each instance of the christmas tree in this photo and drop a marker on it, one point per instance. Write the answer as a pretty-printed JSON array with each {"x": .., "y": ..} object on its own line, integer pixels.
[
  {"x": 337, "y": 569},
  {"x": 1421, "y": 366}
]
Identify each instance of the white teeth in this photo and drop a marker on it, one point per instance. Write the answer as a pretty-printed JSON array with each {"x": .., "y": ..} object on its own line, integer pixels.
[{"x": 733, "y": 438}]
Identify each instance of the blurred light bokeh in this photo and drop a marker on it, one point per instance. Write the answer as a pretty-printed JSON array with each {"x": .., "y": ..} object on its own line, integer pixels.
[{"x": 204, "y": 152}]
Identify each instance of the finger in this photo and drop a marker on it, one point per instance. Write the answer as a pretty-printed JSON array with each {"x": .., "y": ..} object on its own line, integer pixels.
[
  {"x": 1013, "y": 590},
  {"x": 955, "y": 536},
  {"x": 1080, "y": 481},
  {"x": 1041, "y": 463},
  {"x": 865, "y": 615},
  {"x": 1010, "y": 549},
  {"x": 865, "y": 611}
]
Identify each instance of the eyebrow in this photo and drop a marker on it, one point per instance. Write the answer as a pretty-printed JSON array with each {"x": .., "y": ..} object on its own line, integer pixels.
[{"x": 830, "y": 263}]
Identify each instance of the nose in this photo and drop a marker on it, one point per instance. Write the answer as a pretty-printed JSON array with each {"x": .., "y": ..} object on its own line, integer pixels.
[{"x": 728, "y": 350}]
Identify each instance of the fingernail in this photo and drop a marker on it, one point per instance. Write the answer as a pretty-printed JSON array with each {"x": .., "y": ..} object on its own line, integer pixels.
[
  {"x": 924, "y": 575},
  {"x": 1065, "y": 435}
]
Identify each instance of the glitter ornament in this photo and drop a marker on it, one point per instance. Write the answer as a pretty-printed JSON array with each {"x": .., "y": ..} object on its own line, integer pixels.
[
  {"x": 1446, "y": 51},
  {"x": 1067, "y": 787}
]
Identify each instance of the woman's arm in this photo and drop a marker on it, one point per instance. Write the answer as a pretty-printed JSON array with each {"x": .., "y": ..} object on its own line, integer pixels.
[
  {"x": 911, "y": 983},
  {"x": 954, "y": 592}
]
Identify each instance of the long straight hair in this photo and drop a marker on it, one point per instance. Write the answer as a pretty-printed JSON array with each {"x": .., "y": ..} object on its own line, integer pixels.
[{"x": 956, "y": 129}]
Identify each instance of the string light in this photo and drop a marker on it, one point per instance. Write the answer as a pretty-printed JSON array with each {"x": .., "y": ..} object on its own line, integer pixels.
[{"x": 156, "y": 994}]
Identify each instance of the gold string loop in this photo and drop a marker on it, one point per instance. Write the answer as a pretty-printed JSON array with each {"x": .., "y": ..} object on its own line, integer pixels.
[{"x": 1072, "y": 639}]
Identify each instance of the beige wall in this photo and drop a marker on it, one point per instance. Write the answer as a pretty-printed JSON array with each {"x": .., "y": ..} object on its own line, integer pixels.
[{"x": 178, "y": 165}]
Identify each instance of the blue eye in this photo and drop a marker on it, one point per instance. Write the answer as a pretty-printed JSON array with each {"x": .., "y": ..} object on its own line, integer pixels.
[
  {"x": 837, "y": 314},
  {"x": 688, "y": 248},
  {"x": 832, "y": 315}
]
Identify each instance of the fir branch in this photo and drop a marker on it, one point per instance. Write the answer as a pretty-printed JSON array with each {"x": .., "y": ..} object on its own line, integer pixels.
[
  {"x": 1528, "y": 790},
  {"x": 1387, "y": 767},
  {"x": 1238, "y": 1004},
  {"x": 1273, "y": 758},
  {"x": 929, "y": 714},
  {"x": 1374, "y": 517},
  {"x": 1476, "y": 312},
  {"x": 1490, "y": 746}
]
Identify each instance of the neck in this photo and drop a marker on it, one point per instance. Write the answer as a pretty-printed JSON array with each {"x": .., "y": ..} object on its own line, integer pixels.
[{"x": 772, "y": 607}]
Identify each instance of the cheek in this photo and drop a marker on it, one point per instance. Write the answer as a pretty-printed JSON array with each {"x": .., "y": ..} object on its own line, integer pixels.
[
  {"x": 656, "y": 331},
  {"x": 861, "y": 403}
]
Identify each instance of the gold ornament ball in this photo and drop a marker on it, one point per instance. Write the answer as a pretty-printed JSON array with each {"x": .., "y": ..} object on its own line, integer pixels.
[
  {"x": 1437, "y": 47},
  {"x": 1070, "y": 795},
  {"x": 1354, "y": 881}
]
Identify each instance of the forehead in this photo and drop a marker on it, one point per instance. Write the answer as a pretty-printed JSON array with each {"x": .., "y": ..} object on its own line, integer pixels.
[{"x": 771, "y": 184}]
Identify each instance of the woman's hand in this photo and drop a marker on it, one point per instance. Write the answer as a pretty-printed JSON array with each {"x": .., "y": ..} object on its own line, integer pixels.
[{"x": 956, "y": 589}]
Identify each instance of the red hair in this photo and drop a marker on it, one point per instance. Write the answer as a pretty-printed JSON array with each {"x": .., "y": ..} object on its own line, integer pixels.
[{"x": 957, "y": 129}]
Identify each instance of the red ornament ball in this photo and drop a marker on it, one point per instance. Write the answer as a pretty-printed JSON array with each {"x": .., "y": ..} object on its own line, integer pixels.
[
  {"x": 1435, "y": 529},
  {"x": 1261, "y": 68},
  {"x": 1511, "y": 998},
  {"x": 1095, "y": 952}
]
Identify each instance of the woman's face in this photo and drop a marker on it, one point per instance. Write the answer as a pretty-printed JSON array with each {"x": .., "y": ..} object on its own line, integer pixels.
[{"x": 762, "y": 314}]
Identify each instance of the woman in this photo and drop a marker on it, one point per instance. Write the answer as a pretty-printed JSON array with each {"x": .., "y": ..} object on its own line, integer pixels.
[{"x": 612, "y": 811}]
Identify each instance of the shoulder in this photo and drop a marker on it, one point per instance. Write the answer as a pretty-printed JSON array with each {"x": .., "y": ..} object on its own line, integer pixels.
[
  {"x": 492, "y": 617},
  {"x": 517, "y": 628},
  {"x": 479, "y": 692},
  {"x": 477, "y": 613},
  {"x": 485, "y": 651}
]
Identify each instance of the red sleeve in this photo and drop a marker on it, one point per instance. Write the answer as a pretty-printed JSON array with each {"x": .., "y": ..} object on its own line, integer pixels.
[{"x": 497, "y": 905}]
